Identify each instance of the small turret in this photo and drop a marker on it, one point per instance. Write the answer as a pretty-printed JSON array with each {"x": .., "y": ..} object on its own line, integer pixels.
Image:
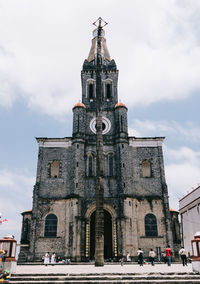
[
  {"x": 121, "y": 120},
  {"x": 79, "y": 111}
]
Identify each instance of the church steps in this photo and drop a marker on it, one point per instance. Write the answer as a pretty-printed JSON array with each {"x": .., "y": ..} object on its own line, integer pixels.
[
  {"x": 107, "y": 278},
  {"x": 111, "y": 281}
]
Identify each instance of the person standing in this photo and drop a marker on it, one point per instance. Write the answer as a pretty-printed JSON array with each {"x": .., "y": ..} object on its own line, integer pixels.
[
  {"x": 46, "y": 259},
  {"x": 122, "y": 261},
  {"x": 168, "y": 252},
  {"x": 152, "y": 257},
  {"x": 183, "y": 253},
  {"x": 128, "y": 257},
  {"x": 53, "y": 258},
  {"x": 140, "y": 257}
]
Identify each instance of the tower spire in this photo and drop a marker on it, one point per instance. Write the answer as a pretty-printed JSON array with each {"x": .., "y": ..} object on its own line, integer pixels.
[{"x": 99, "y": 24}]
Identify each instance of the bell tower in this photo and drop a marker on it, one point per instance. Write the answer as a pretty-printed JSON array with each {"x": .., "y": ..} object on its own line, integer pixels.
[
  {"x": 114, "y": 114},
  {"x": 109, "y": 76}
]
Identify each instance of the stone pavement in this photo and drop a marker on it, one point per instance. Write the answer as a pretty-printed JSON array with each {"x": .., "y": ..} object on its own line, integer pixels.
[{"x": 107, "y": 268}]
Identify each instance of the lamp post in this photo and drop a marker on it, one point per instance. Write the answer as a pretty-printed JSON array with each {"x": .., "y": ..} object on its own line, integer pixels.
[{"x": 99, "y": 217}]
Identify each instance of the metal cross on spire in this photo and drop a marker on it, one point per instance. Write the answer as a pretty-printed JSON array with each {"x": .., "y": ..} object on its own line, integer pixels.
[{"x": 100, "y": 21}]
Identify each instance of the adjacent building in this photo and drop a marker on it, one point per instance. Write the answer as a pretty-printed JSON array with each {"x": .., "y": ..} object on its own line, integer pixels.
[{"x": 189, "y": 209}]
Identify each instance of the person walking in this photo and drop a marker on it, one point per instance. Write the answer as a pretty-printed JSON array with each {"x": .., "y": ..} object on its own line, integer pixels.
[
  {"x": 46, "y": 259},
  {"x": 152, "y": 257},
  {"x": 140, "y": 257},
  {"x": 183, "y": 253},
  {"x": 168, "y": 252},
  {"x": 53, "y": 258}
]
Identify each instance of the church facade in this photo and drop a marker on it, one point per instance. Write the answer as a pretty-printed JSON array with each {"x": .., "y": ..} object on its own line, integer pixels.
[{"x": 136, "y": 208}]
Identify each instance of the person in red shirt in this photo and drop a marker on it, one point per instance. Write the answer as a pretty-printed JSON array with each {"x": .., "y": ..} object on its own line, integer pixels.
[{"x": 168, "y": 252}]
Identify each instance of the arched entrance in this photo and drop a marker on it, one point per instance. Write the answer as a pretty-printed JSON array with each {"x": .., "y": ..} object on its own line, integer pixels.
[{"x": 108, "y": 251}]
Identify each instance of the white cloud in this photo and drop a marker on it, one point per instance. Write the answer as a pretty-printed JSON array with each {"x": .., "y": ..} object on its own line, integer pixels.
[
  {"x": 182, "y": 172},
  {"x": 188, "y": 131},
  {"x": 16, "y": 192},
  {"x": 43, "y": 45}
]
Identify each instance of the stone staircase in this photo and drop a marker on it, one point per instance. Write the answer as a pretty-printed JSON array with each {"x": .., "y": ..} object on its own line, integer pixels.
[{"x": 104, "y": 278}]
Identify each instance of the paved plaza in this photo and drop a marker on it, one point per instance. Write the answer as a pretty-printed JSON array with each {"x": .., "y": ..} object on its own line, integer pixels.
[{"x": 107, "y": 268}]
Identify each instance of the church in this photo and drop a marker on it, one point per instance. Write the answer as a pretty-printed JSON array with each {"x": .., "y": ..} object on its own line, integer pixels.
[{"x": 136, "y": 207}]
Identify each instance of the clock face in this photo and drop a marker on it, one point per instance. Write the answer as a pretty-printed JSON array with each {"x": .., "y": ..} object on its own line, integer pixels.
[{"x": 106, "y": 125}]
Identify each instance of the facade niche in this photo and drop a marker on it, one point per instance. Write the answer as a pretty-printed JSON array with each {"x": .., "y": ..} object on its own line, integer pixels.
[
  {"x": 110, "y": 165},
  {"x": 146, "y": 168},
  {"x": 151, "y": 229},
  {"x": 51, "y": 226},
  {"x": 54, "y": 169}
]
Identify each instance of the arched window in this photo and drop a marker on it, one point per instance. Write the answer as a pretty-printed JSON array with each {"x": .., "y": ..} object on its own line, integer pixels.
[
  {"x": 51, "y": 226},
  {"x": 91, "y": 91},
  {"x": 110, "y": 166},
  {"x": 54, "y": 169},
  {"x": 108, "y": 91},
  {"x": 90, "y": 166},
  {"x": 150, "y": 225},
  {"x": 146, "y": 168}
]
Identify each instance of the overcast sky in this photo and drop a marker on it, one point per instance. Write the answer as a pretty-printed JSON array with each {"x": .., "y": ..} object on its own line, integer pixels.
[{"x": 43, "y": 43}]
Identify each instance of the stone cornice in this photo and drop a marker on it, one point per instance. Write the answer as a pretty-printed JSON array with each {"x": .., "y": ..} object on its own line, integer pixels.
[
  {"x": 65, "y": 142},
  {"x": 146, "y": 141}
]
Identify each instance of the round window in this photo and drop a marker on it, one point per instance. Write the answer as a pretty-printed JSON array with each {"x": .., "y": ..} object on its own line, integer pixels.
[{"x": 106, "y": 125}]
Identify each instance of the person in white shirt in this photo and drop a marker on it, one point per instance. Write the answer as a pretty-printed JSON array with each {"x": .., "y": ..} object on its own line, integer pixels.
[
  {"x": 128, "y": 258},
  {"x": 53, "y": 259},
  {"x": 183, "y": 253},
  {"x": 152, "y": 257},
  {"x": 46, "y": 258}
]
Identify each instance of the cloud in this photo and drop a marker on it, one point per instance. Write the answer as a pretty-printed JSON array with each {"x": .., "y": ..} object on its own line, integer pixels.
[
  {"x": 188, "y": 131},
  {"x": 182, "y": 172},
  {"x": 43, "y": 45},
  {"x": 16, "y": 191}
]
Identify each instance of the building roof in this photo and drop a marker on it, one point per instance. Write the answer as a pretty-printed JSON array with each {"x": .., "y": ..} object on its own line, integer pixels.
[
  {"x": 120, "y": 104},
  {"x": 189, "y": 198},
  {"x": 79, "y": 104},
  {"x": 172, "y": 210},
  {"x": 27, "y": 212}
]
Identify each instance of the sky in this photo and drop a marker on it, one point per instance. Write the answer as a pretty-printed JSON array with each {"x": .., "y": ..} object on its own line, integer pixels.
[{"x": 43, "y": 44}]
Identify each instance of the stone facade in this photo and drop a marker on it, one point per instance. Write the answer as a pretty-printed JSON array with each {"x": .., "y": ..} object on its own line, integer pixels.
[{"x": 136, "y": 205}]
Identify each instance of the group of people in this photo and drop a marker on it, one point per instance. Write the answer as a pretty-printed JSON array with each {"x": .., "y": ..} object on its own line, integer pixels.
[
  {"x": 49, "y": 260},
  {"x": 53, "y": 259},
  {"x": 152, "y": 256},
  {"x": 167, "y": 255}
]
